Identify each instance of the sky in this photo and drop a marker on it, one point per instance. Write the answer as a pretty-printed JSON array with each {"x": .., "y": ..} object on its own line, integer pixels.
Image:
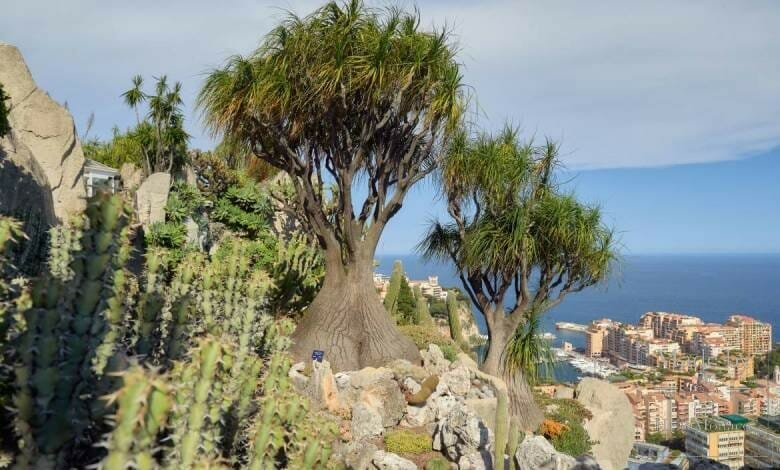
[{"x": 668, "y": 112}]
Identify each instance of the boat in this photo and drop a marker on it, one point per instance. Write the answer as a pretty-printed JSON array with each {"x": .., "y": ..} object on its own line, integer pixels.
[{"x": 564, "y": 325}]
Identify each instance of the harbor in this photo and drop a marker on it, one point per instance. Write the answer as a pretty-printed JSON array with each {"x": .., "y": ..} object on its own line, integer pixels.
[{"x": 585, "y": 366}]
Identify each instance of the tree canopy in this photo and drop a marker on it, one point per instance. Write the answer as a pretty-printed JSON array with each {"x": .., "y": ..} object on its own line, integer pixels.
[
  {"x": 519, "y": 242},
  {"x": 349, "y": 95}
]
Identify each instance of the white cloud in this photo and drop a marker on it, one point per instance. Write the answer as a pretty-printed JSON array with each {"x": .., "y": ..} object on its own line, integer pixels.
[{"x": 622, "y": 83}]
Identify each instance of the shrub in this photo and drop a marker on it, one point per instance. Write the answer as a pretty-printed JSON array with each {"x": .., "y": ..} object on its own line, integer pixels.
[
  {"x": 402, "y": 441},
  {"x": 551, "y": 428},
  {"x": 423, "y": 335},
  {"x": 573, "y": 441},
  {"x": 437, "y": 463}
]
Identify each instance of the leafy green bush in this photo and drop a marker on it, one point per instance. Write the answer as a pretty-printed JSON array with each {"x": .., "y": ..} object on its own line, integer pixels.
[
  {"x": 437, "y": 463},
  {"x": 123, "y": 147},
  {"x": 183, "y": 201},
  {"x": 574, "y": 440},
  {"x": 402, "y": 441},
  {"x": 244, "y": 208},
  {"x": 423, "y": 335},
  {"x": 166, "y": 235}
]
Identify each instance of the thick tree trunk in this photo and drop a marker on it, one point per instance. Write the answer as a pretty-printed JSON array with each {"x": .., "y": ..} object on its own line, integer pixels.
[
  {"x": 523, "y": 408},
  {"x": 348, "y": 322}
]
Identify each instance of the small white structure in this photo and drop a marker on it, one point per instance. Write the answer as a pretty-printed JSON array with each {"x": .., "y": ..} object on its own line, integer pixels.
[{"x": 99, "y": 177}]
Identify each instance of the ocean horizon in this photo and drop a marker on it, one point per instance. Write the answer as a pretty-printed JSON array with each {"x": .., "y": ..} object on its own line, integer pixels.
[{"x": 711, "y": 286}]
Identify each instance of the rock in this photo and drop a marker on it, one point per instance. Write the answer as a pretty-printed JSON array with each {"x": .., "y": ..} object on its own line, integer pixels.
[
  {"x": 612, "y": 425},
  {"x": 299, "y": 381},
  {"x": 42, "y": 147},
  {"x": 322, "y": 390},
  {"x": 388, "y": 461},
  {"x": 385, "y": 396},
  {"x": 536, "y": 453},
  {"x": 404, "y": 369},
  {"x": 131, "y": 176},
  {"x": 442, "y": 405},
  {"x": 366, "y": 422},
  {"x": 410, "y": 385},
  {"x": 563, "y": 391},
  {"x": 485, "y": 409},
  {"x": 460, "y": 433},
  {"x": 476, "y": 461},
  {"x": 434, "y": 360},
  {"x": 467, "y": 361},
  {"x": 342, "y": 380},
  {"x": 368, "y": 376},
  {"x": 416, "y": 417},
  {"x": 357, "y": 455},
  {"x": 456, "y": 381},
  {"x": 151, "y": 197}
]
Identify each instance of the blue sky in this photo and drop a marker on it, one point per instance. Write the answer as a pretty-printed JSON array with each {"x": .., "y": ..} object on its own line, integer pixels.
[{"x": 668, "y": 111}]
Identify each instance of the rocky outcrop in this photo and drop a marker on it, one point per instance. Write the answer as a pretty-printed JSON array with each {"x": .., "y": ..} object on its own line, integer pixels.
[
  {"x": 388, "y": 461},
  {"x": 612, "y": 425},
  {"x": 43, "y": 143},
  {"x": 131, "y": 176},
  {"x": 151, "y": 197},
  {"x": 536, "y": 453}
]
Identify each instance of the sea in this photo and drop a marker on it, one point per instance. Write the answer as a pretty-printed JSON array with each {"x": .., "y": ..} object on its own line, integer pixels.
[{"x": 711, "y": 286}]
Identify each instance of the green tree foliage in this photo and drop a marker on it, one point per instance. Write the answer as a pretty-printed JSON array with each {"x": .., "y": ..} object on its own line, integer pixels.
[
  {"x": 529, "y": 351},
  {"x": 161, "y": 134},
  {"x": 765, "y": 365},
  {"x": 377, "y": 101},
  {"x": 244, "y": 208},
  {"x": 207, "y": 383},
  {"x": 406, "y": 306},
  {"x": 124, "y": 147},
  {"x": 5, "y": 126},
  {"x": 394, "y": 288}
]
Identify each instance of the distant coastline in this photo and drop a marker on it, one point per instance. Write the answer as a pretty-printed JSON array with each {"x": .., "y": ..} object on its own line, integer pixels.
[{"x": 711, "y": 286}]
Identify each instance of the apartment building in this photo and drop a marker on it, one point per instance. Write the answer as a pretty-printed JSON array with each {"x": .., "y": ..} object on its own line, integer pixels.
[
  {"x": 712, "y": 339},
  {"x": 718, "y": 439},
  {"x": 665, "y": 324},
  {"x": 762, "y": 443},
  {"x": 623, "y": 343},
  {"x": 429, "y": 287},
  {"x": 756, "y": 336}
]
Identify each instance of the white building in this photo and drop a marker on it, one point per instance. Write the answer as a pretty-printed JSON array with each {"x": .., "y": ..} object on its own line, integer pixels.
[{"x": 100, "y": 177}]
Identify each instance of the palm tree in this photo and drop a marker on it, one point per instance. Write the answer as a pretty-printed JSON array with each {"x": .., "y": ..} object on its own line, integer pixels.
[
  {"x": 353, "y": 96},
  {"x": 519, "y": 243}
]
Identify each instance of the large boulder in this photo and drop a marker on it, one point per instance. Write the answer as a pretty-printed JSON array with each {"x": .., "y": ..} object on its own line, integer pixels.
[
  {"x": 43, "y": 149},
  {"x": 151, "y": 197},
  {"x": 388, "y": 461},
  {"x": 612, "y": 425},
  {"x": 536, "y": 453}
]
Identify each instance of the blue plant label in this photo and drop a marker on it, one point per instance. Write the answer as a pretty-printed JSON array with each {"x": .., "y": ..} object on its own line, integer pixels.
[{"x": 317, "y": 355}]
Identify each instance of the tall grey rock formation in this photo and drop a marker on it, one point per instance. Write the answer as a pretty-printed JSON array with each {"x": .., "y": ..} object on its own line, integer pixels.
[{"x": 42, "y": 154}]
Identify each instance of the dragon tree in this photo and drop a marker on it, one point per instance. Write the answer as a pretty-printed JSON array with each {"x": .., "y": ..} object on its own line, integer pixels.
[
  {"x": 519, "y": 243},
  {"x": 355, "y": 104}
]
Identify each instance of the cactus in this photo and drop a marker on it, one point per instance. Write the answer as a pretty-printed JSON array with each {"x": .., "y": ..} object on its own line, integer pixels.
[
  {"x": 453, "y": 317},
  {"x": 426, "y": 389},
  {"x": 150, "y": 306},
  {"x": 198, "y": 403},
  {"x": 393, "y": 288},
  {"x": 177, "y": 328},
  {"x": 69, "y": 333},
  {"x": 297, "y": 274},
  {"x": 144, "y": 402},
  {"x": 285, "y": 429},
  {"x": 422, "y": 314}
]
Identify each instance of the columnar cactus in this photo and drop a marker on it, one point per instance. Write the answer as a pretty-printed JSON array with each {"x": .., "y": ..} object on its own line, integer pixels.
[
  {"x": 68, "y": 336},
  {"x": 453, "y": 317},
  {"x": 143, "y": 406},
  {"x": 151, "y": 303},
  {"x": 181, "y": 296},
  {"x": 196, "y": 418}
]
